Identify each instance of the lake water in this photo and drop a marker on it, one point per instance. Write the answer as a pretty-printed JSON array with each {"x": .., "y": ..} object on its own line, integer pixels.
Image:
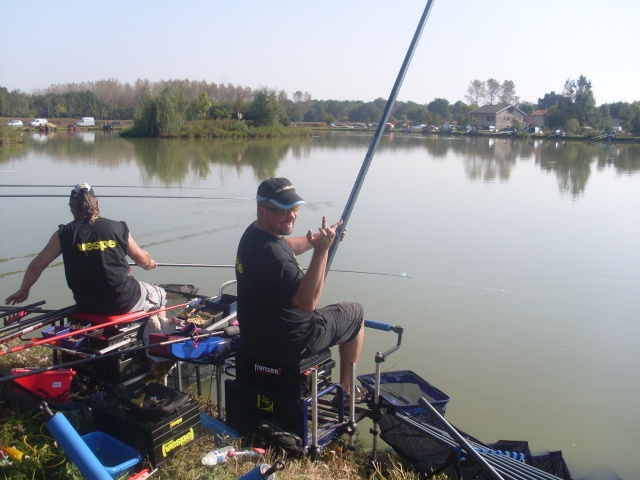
[{"x": 514, "y": 266}]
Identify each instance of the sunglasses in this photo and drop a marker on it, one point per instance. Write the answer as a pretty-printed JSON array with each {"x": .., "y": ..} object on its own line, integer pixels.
[{"x": 282, "y": 211}]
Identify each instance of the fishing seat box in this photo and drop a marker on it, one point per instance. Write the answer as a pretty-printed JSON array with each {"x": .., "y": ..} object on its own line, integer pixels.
[
  {"x": 155, "y": 439},
  {"x": 273, "y": 390},
  {"x": 286, "y": 377}
]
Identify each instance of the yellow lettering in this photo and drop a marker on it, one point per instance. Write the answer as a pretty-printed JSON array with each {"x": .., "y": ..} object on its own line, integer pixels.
[
  {"x": 178, "y": 442},
  {"x": 177, "y": 421},
  {"x": 99, "y": 245}
]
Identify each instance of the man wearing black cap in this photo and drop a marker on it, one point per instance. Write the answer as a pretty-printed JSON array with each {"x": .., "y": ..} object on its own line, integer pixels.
[
  {"x": 276, "y": 300},
  {"x": 94, "y": 251}
]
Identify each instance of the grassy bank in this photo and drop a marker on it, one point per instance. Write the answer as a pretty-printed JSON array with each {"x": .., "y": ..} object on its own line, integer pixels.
[
  {"x": 225, "y": 128},
  {"x": 24, "y": 429}
]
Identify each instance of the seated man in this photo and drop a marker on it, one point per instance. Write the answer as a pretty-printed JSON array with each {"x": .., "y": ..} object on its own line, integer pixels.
[
  {"x": 94, "y": 251},
  {"x": 277, "y": 301}
]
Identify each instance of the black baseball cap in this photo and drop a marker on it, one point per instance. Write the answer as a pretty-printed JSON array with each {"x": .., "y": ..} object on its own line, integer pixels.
[{"x": 280, "y": 192}]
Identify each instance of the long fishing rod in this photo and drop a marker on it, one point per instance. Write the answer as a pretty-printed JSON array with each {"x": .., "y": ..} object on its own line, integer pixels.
[
  {"x": 228, "y": 332},
  {"x": 209, "y": 265},
  {"x": 112, "y": 186},
  {"x": 378, "y": 134},
  {"x": 41, "y": 320},
  {"x": 26, "y": 195},
  {"x": 8, "y": 311},
  {"x": 126, "y": 318}
]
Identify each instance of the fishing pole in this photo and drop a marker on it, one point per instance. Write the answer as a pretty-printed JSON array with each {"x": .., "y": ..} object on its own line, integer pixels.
[
  {"x": 378, "y": 134},
  {"x": 126, "y": 318},
  {"x": 13, "y": 310},
  {"x": 26, "y": 195},
  {"x": 228, "y": 331},
  {"x": 111, "y": 186},
  {"x": 208, "y": 265},
  {"x": 40, "y": 320}
]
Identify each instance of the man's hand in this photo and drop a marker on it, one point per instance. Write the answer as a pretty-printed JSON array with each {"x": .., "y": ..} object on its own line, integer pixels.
[{"x": 325, "y": 236}]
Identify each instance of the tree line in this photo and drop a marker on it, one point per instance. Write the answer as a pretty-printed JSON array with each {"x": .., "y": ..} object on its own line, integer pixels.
[{"x": 571, "y": 110}]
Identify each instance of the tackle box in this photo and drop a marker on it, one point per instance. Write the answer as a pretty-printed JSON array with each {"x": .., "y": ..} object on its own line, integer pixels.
[{"x": 157, "y": 440}]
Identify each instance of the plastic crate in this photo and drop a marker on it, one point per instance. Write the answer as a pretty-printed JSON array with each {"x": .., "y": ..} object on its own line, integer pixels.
[
  {"x": 192, "y": 349},
  {"x": 52, "y": 385},
  {"x": 116, "y": 457},
  {"x": 403, "y": 389}
]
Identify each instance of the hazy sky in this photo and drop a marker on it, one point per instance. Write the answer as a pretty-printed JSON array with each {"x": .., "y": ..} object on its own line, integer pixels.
[{"x": 341, "y": 50}]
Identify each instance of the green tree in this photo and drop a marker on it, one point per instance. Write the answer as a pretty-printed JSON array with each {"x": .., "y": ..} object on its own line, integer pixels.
[
  {"x": 441, "y": 107},
  {"x": 264, "y": 109},
  {"x": 582, "y": 99},
  {"x": 161, "y": 115},
  {"x": 199, "y": 108}
]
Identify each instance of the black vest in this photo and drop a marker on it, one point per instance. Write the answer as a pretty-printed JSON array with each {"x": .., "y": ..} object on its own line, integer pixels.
[{"x": 96, "y": 266}]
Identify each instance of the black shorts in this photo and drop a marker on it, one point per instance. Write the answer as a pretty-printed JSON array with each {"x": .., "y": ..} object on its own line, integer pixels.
[{"x": 333, "y": 325}]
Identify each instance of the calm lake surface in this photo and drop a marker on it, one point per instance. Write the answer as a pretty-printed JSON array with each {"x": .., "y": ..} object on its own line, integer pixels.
[{"x": 514, "y": 266}]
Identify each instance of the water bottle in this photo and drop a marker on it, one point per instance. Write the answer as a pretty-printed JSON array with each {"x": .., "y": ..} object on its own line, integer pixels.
[{"x": 218, "y": 456}]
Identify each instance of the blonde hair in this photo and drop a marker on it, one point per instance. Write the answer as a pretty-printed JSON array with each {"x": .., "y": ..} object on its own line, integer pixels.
[{"x": 85, "y": 207}]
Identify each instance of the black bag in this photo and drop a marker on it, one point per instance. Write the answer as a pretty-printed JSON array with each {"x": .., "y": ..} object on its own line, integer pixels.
[{"x": 154, "y": 401}]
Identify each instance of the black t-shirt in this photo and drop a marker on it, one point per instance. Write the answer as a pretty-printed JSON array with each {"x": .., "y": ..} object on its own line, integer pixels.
[
  {"x": 268, "y": 275},
  {"x": 96, "y": 267}
]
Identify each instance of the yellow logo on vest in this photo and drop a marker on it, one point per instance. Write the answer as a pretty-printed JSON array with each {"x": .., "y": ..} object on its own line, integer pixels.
[{"x": 99, "y": 245}]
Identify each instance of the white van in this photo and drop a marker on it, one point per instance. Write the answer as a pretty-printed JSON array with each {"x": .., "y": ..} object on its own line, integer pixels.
[
  {"x": 86, "y": 122},
  {"x": 38, "y": 122}
]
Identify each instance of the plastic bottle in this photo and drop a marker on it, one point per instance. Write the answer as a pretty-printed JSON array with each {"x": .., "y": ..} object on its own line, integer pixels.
[{"x": 215, "y": 457}]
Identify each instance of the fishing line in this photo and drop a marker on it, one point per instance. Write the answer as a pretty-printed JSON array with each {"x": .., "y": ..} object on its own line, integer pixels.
[{"x": 466, "y": 285}]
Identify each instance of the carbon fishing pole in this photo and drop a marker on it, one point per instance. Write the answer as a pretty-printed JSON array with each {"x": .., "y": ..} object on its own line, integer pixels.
[
  {"x": 208, "y": 265},
  {"x": 111, "y": 186},
  {"x": 179, "y": 197},
  {"x": 228, "y": 331},
  {"x": 378, "y": 134},
  {"x": 126, "y": 318}
]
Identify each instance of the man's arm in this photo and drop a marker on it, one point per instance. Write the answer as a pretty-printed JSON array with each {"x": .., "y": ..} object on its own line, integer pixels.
[
  {"x": 141, "y": 257},
  {"x": 310, "y": 289},
  {"x": 48, "y": 254}
]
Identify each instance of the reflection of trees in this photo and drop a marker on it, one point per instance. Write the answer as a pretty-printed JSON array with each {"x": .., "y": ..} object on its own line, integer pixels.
[
  {"x": 570, "y": 161},
  {"x": 485, "y": 158}
]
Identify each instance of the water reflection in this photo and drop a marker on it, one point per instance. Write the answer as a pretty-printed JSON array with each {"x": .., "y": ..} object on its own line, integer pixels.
[{"x": 485, "y": 159}]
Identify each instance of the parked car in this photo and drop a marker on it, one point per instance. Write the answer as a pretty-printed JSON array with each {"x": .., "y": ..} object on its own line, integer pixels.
[
  {"x": 38, "y": 122},
  {"x": 491, "y": 128},
  {"x": 418, "y": 128},
  {"x": 86, "y": 122},
  {"x": 14, "y": 123},
  {"x": 389, "y": 126}
]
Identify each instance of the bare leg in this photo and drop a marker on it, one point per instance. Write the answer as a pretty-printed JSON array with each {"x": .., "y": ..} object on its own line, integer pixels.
[{"x": 350, "y": 353}]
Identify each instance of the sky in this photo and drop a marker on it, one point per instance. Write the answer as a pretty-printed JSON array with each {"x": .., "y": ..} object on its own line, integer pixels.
[{"x": 333, "y": 50}]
